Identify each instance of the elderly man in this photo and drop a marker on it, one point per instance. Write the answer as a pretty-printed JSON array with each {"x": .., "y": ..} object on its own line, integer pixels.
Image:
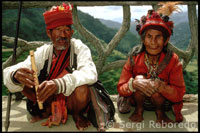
[
  {"x": 152, "y": 77},
  {"x": 53, "y": 63}
]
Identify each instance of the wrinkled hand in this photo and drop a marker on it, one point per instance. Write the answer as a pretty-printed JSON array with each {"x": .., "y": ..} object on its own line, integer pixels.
[
  {"x": 25, "y": 77},
  {"x": 159, "y": 85},
  {"x": 146, "y": 86},
  {"x": 46, "y": 89}
]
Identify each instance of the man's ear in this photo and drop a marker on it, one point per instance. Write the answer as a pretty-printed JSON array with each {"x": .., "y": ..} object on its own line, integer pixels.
[
  {"x": 48, "y": 33},
  {"x": 165, "y": 43},
  {"x": 72, "y": 31}
]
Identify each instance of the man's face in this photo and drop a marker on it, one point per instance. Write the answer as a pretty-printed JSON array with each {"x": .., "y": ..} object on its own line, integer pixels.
[
  {"x": 60, "y": 36},
  {"x": 153, "y": 41}
]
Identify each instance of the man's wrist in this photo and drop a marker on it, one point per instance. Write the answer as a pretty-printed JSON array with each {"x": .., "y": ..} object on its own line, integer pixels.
[
  {"x": 57, "y": 86},
  {"x": 14, "y": 80}
]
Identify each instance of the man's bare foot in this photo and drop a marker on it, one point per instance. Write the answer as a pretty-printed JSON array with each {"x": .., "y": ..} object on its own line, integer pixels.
[
  {"x": 38, "y": 118},
  {"x": 162, "y": 117},
  {"x": 35, "y": 119},
  {"x": 101, "y": 129},
  {"x": 81, "y": 122},
  {"x": 137, "y": 116}
]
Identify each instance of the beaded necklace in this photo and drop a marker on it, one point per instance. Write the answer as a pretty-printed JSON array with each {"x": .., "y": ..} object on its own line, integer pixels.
[{"x": 151, "y": 67}]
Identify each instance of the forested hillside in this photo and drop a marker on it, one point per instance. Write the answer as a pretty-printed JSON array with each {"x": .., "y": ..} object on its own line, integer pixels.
[
  {"x": 32, "y": 28},
  {"x": 181, "y": 34}
]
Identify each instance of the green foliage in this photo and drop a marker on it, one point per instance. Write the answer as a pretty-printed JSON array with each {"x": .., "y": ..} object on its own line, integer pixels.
[
  {"x": 96, "y": 27},
  {"x": 22, "y": 57},
  {"x": 192, "y": 66},
  {"x": 106, "y": 34},
  {"x": 7, "y": 45},
  {"x": 4, "y": 89},
  {"x": 191, "y": 77},
  {"x": 5, "y": 55},
  {"x": 110, "y": 80},
  {"x": 191, "y": 82},
  {"x": 32, "y": 26},
  {"x": 181, "y": 36},
  {"x": 115, "y": 55},
  {"x": 127, "y": 43}
]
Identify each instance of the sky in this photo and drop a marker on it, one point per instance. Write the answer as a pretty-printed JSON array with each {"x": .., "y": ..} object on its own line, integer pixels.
[{"x": 115, "y": 13}]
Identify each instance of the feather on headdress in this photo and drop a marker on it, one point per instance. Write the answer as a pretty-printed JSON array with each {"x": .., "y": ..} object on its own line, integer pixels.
[
  {"x": 168, "y": 8},
  {"x": 159, "y": 20}
]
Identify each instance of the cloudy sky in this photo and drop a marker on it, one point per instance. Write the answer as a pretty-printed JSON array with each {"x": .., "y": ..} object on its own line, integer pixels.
[{"x": 115, "y": 13}]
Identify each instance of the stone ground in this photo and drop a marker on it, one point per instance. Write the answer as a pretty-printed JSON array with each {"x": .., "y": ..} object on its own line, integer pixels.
[{"x": 19, "y": 119}]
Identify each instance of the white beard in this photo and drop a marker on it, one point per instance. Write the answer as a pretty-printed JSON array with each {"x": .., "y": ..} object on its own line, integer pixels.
[{"x": 60, "y": 47}]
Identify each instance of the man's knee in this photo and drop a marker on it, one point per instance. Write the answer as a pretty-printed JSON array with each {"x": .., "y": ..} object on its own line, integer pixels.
[
  {"x": 82, "y": 94},
  {"x": 79, "y": 99}
]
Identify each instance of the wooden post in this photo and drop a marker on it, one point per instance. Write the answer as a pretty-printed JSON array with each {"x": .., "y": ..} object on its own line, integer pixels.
[{"x": 35, "y": 76}]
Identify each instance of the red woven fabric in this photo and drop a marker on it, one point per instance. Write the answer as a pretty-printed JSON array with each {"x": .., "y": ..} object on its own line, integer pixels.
[
  {"x": 58, "y": 106},
  {"x": 61, "y": 15}
]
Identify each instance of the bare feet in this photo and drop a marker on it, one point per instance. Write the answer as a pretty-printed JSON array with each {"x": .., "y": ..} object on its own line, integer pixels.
[
  {"x": 101, "y": 129},
  {"x": 137, "y": 116},
  {"x": 81, "y": 122},
  {"x": 162, "y": 117},
  {"x": 35, "y": 119},
  {"x": 38, "y": 118}
]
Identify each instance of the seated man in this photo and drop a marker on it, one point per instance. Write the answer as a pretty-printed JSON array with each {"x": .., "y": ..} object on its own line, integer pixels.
[
  {"x": 152, "y": 74},
  {"x": 52, "y": 62}
]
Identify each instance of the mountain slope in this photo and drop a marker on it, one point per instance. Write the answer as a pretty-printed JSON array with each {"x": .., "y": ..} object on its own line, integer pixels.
[
  {"x": 180, "y": 37},
  {"x": 32, "y": 27}
]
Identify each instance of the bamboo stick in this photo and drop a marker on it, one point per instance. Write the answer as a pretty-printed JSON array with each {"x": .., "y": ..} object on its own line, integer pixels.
[{"x": 35, "y": 76}]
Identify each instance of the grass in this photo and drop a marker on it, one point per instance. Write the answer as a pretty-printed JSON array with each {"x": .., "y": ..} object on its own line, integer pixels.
[
  {"x": 191, "y": 77},
  {"x": 6, "y": 55},
  {"x": 192, "y": 66}
]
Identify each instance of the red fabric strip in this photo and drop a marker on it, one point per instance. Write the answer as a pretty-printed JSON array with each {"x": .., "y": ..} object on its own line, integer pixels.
[{"x": 56, "y": 68}]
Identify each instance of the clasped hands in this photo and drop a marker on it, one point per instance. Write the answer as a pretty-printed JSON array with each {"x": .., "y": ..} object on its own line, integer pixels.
[
  {"x": 147, "y": 86},
  {"x": 25, "y": 77}
]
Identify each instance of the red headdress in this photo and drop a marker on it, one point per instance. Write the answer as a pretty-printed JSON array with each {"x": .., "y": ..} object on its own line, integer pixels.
[
  {"x": 158, "y": 20},
  {"x": 58, "y": 16}
]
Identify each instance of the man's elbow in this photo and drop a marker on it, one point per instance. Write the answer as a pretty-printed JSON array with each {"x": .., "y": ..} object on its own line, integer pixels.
[{"x": 94, "y": 78}]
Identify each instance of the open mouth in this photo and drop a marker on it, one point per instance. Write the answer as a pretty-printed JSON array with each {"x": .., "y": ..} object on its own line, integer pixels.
[
  {"x": 61, "y": 41},
  {"x": 154, "y": 48}
]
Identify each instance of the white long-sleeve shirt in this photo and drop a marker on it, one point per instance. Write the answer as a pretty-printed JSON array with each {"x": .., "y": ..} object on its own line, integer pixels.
[{"x": 84, "y": 74}]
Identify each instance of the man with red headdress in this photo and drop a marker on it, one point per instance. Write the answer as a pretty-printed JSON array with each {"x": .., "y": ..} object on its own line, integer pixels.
[
  {"x": 53, "y": 62},
  {"x": 152, "y": 77}
]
